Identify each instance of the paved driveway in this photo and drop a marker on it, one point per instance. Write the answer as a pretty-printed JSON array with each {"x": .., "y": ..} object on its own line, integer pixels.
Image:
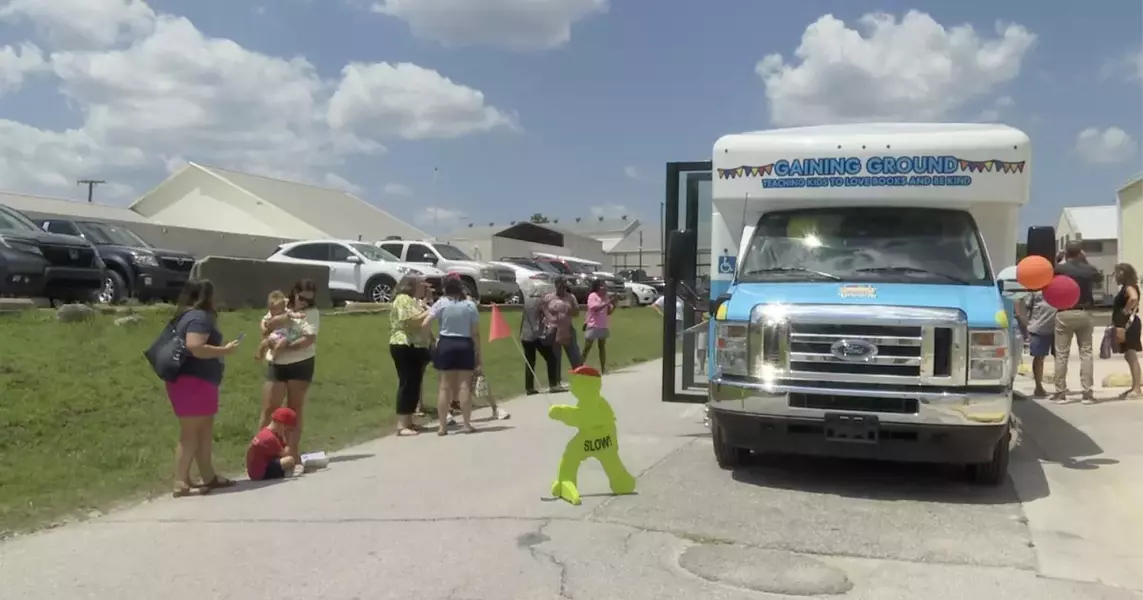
[{"x": 464, "y": 517}]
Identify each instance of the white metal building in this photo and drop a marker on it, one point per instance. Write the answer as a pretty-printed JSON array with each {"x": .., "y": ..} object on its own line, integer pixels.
[
  {"x": 199, "y": 242},
  {"x": 205, "y": 197},
  {"x": 1129, "y": 206},
  {"x": 609, "y": 232},
  {"x": 522, "y": 239},
  {"x": 1097, "y": 227},
  {"x": 640, "y": 249}
]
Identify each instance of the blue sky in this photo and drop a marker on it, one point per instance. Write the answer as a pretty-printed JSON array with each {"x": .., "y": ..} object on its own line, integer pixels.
[{"x": 567, "y": 128}]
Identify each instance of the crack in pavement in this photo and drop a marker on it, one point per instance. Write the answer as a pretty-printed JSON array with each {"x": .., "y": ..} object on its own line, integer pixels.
[
  {"x": 532, "y": 541},
  {"x": 692, "y": 537}
]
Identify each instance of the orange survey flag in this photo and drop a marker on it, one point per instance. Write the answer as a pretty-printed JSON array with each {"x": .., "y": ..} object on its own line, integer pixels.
[{"x": 499, "y": 328}]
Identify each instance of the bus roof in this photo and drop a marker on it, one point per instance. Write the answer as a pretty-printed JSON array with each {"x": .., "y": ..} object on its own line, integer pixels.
[{"x": 958, "y": 162}]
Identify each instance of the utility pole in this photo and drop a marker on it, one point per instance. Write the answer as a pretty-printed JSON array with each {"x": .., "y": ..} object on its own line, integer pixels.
[
  {"x": 90, "y": 183},
  {"x": 436, "y": 209},
  {"x": 640, "y": 247}
]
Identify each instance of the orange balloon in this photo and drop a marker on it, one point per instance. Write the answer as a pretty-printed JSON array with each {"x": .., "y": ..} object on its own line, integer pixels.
[{"x": 1035, "y": 272}]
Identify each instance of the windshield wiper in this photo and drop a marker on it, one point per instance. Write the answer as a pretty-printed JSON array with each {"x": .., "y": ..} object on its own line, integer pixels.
[
  {"x": 913, "y": 270},
  {"x": 792, "y": 270}
]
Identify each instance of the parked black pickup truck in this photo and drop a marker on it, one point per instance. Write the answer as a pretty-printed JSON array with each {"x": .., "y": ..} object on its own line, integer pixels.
[
  {"x": 134, "y": 267},
  {"x": 38, "y": 264}
]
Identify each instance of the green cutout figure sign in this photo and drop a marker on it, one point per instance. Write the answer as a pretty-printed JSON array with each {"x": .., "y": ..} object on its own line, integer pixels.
[{"x": 597, "y": 437}]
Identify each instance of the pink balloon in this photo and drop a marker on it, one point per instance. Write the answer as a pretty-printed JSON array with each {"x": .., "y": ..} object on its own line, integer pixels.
[{"x": 1062, "y": 293}]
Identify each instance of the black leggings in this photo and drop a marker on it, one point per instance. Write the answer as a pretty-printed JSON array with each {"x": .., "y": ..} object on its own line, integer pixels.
[
  {"x": 551, "y": 359},
  {"x": 410, "y": 362}
]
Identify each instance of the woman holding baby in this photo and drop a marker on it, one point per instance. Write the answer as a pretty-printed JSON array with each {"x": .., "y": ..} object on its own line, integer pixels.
[{"x": 290, "y": 367}]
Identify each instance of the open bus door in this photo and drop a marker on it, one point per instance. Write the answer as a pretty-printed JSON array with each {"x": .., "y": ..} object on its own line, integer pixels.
[{"x": 686, "y": 261}]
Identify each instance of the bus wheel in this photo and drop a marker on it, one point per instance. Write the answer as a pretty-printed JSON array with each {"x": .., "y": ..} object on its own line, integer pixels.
[
  {"x": 728, "y": 457},
  {"x": 995, "y": 471}
]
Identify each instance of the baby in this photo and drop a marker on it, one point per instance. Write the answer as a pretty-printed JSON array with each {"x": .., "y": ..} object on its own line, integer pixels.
[{"x": 281, "y": 336}]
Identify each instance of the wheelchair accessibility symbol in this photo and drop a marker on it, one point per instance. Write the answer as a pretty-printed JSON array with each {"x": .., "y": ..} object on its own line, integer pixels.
[{"x": 726, "y": 264}]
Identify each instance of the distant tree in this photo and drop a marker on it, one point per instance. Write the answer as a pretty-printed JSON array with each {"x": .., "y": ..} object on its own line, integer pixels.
[{"x": 539, "y": 218}]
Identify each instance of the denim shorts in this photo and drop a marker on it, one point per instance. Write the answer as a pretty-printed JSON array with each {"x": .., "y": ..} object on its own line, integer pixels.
[{"x": 1042, "y": 344}]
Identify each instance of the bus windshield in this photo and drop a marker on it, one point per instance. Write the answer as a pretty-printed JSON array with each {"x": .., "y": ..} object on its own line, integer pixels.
[{"x": 867, "y": 244}]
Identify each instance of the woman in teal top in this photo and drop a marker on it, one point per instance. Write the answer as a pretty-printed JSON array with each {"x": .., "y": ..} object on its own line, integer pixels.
[{"x": 409, "y": 346}]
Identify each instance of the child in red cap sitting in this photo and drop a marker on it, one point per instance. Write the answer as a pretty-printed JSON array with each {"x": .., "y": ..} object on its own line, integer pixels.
[{"x": 268, "y": 457}]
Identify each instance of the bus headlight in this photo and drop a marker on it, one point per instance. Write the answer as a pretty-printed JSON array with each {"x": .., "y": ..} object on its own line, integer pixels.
[
  {"x": 730, "y": 349},
  {"x": 988, "y": 359}
]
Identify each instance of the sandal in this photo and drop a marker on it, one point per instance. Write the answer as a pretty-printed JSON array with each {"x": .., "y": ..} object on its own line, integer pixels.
[
  {"x": 442, "y": 431},
  {"x": 469, "y": 429},
  {"x": 218, "y": 482},
  {"x": 407, "y": 432},
  {"x": 190, "y": 490}
]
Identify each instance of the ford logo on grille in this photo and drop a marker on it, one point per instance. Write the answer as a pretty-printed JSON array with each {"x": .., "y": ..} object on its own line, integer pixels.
[{"x": 853, "y": 350}]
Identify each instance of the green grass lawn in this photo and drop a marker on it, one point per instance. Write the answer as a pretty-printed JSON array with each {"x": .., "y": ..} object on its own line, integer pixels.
[{"x": 85, "y": 423}]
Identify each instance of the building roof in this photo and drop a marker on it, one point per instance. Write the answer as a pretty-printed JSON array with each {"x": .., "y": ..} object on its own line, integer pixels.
[
  {"x": 473, "y": 233},
  {"x": 335, "y": 212},
  {"x": 1134, "y": 180},
  {"x": 652, "y": 241},
  {"x": 593, "y": 226},
  {"x": 43, "y": 205},
  {"x": 1094, "y": 222}
]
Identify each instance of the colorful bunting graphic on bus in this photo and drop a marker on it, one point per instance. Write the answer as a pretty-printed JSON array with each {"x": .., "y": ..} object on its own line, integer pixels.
[{"x": 962, "y": 165}]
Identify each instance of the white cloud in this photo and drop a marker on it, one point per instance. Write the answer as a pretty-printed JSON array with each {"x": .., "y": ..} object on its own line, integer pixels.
[
  {"x": 1109, "y": 146},
  {"x": 911, "y": 69},
  {"x": 609, "y": 211},
  {"x": 440, "y": 218},
  {"x": 333, "y": 180},
  {"x": 513, "y": 24},
  {"x": 993, "y": 113},
  {"x": 173, "y": 93},
  {"x": 397, "y": 189},
  {"x": 632, "y": 172},
  {"x": 409, "y": 101},
  {"x": 17, "y": 62},
  {"x": 83, "y": 23},
  {"x": 1129, "y": 66}
]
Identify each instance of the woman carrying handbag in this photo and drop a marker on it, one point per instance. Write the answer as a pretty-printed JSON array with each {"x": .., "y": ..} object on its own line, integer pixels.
[{"x": 1125, "y": 319}]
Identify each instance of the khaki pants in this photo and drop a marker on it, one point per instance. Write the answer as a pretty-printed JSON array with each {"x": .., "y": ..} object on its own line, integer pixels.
[{"x": 1074, "y": 323}]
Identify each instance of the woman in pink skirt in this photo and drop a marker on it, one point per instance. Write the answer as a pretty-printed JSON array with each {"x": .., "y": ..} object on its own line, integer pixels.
[{"x": 194, "y": 394}]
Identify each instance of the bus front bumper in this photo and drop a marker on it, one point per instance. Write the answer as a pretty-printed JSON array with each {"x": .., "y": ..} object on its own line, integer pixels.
[{"x": 931, "y": 426}]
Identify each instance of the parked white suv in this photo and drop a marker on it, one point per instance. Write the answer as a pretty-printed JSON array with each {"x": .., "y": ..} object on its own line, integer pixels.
[
  {"x": 357, "y": 270},
  {"x": 527, "y": 278}
]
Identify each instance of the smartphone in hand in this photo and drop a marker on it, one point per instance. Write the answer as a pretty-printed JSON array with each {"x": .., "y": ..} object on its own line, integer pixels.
[{"x": 241, "y": 336}]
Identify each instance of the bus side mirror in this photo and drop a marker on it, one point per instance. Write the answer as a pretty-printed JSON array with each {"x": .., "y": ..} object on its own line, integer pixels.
[{"x": 680, "y": 244}]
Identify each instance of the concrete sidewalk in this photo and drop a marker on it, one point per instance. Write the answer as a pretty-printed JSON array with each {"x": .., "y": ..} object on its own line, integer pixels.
[{"x": 1091, "y": 525}]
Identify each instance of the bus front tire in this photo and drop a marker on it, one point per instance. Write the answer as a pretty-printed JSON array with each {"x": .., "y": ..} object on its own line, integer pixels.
[
  {"x": 727, "y": 456},
  {"x": 995, "y": 471}
]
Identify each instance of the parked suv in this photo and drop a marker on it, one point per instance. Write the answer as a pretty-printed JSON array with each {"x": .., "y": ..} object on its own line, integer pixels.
[
  {"x": 38, "y": 264},
  {"x": 483, "y": 281},
  {"x": 582, "y": 274},
  {"x": 134, "y": 267},
  {"x": 357, "y": 270}
]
